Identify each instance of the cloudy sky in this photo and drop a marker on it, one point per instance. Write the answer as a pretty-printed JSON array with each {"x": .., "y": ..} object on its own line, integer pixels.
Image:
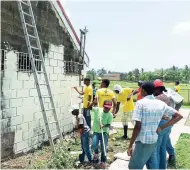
[{"x": 124, "y": 35}]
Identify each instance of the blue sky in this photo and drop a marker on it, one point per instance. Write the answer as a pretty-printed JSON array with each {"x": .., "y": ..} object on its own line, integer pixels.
[{"x": 124, "y": 35}]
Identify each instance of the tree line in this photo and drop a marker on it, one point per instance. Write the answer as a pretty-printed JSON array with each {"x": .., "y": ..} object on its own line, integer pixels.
[{"x": 168, "y": 75}]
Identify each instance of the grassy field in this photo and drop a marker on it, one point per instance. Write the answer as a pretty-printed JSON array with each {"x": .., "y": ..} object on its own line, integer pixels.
[
  {"x": 183, "y": 151},
  {"x": 185, "y": 89}
]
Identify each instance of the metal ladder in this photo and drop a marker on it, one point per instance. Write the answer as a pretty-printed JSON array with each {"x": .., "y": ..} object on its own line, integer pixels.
[{"x": 25, "y": 10}]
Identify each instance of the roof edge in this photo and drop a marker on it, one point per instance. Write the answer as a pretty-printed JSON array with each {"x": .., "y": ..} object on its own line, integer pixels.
[{"x": 71, "y": 27}]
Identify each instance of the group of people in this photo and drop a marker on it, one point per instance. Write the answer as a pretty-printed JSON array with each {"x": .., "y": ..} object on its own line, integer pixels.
[{"x": 154, "y": 114}]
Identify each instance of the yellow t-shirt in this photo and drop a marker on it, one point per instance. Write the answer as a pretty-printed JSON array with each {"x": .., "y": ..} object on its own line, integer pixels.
[
  {"x": 128, "y": 106},
  {"x": 177, "y": 88},
  {"x": 88, "y": 91},
  {"x": 104, "y": 94}
]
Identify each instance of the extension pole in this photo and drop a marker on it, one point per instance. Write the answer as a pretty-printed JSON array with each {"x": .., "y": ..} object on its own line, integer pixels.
[{"x": 101, "y": 128}]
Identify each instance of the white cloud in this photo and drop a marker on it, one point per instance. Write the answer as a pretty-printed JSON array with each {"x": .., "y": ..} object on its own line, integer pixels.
[{"x": 182, "y": 28}]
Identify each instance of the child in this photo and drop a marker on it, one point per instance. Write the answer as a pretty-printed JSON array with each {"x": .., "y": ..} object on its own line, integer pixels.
[
  {"x": 84, "y": 133},
  {"x": 106, "y": 120}
]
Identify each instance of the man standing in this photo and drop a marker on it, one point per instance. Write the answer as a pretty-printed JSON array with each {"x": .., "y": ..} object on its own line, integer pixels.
[
  {"x": 176, "y": 102},
  {"x": 177, "y": 87},
  {"x": 147, "y": 115},
  {"x": 128, "y": 106},
  {"x": 163, "y": 138},
  {"x": 88, "y": 98},
  {"x": 104, "y": 94}
]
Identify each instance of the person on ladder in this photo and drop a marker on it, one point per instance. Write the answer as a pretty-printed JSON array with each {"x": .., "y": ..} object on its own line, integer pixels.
[
  {"x": 126, "y": 99},
  {"x": 87, "y": 101}
]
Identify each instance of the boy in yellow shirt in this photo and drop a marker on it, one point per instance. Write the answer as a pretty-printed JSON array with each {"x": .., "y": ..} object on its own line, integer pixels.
[
  {"x": 87, "y": 100},
  {"x": 104, "y": 94},
  {"x": 177, "y": 87},
  {"x": 126, "y": 100}
]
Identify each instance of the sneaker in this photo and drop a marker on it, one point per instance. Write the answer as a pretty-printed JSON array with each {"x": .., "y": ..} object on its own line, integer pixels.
[
  {"x": 95, "y": 158},
  {"x": 171, "y": 160},
  {"x": 102, "y": 165}
]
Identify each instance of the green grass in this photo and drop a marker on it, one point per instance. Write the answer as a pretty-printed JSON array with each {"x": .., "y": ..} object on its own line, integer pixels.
[
  {"x": 183, "y": 152},
  {"x": 186, "y": 107}
]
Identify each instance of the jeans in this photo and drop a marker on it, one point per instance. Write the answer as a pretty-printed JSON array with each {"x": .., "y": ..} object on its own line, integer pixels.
[
  {"x": 85, "y": 142},
  {"x": 169, "y": 147},
  {"x": 87, "y": 116},
  {"x": 144, "y": 154},
  {"x": 95, "y": 142},
  {"x": 163, "y": 138}
]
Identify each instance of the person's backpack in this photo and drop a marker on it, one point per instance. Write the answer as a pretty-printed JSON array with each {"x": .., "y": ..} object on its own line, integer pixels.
[{"x": 174, "y": 95}]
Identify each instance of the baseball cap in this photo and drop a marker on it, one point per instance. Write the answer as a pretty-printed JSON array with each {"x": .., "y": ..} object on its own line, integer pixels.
[
  {"x": 158, "y": 83},
  {"x": 74, "y": 107},
  {"x": 140, "y": 82},
  {"x": 118, "y": 88},
  {"x": 108, "y": 104}
]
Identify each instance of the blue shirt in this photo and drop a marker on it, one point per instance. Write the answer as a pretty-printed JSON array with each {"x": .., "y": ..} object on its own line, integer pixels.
[
  {"x": 149, "y": 112},
  {"x": 94, "y": 91}
]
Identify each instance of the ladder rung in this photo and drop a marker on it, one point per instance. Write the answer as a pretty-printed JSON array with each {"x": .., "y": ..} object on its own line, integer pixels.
[
  {"x": 43, "y": 84},
  {"x": 55, "y": 136},
  {"x": 36, "y": 48},
  {"x": 30, "y": 25},
  {"x": 24, "y": 3},
  {"x": 49, "y": 109},
  {"x": 37, "y": 60},
  {"x": 40, "y": 72},
  {"x": 27, "y": 14},
  {"x": 46, "y": 96},
  {"x": 52, "y": 122},
  {"x": 32, "y": 36}
]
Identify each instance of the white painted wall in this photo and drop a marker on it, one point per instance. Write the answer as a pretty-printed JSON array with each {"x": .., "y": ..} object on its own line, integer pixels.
[{"x": 21, "y": 112}]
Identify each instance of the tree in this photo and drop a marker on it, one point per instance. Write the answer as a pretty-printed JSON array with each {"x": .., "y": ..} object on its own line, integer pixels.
[
  {"x": 123, "y": 76},
  {"x": 142, "y": 70},
  {"x": 170, "y": 74},
  {"x": 186, "y": 73},
  {"x": 91, "y": 74},
  {"x": 174, "y": 68},
  {"x": 101, "y": 72},
  {"x": 136, "y": 74},
  {"x": 130, "y": 76}
]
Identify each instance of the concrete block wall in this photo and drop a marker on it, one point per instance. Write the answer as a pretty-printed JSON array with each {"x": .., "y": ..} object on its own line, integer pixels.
[{"x": 21, "y": 112}]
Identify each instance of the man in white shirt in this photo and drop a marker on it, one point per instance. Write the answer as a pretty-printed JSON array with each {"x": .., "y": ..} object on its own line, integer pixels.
[{"x": 147, "y": 116}]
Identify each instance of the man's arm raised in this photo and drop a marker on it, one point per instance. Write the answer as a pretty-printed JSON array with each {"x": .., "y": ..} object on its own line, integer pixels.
[{"x": 81, "y": 93}]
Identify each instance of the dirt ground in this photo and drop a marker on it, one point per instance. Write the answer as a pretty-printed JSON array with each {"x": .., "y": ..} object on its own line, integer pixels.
[{"x": 45, "y": 159}]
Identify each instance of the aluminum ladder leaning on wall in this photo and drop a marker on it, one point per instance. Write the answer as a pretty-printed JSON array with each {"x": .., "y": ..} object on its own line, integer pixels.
[{"x": 29, "y": 25}]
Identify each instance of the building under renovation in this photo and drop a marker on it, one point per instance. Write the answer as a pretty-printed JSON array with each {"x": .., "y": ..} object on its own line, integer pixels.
[{"x": 22, "y": 122}]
